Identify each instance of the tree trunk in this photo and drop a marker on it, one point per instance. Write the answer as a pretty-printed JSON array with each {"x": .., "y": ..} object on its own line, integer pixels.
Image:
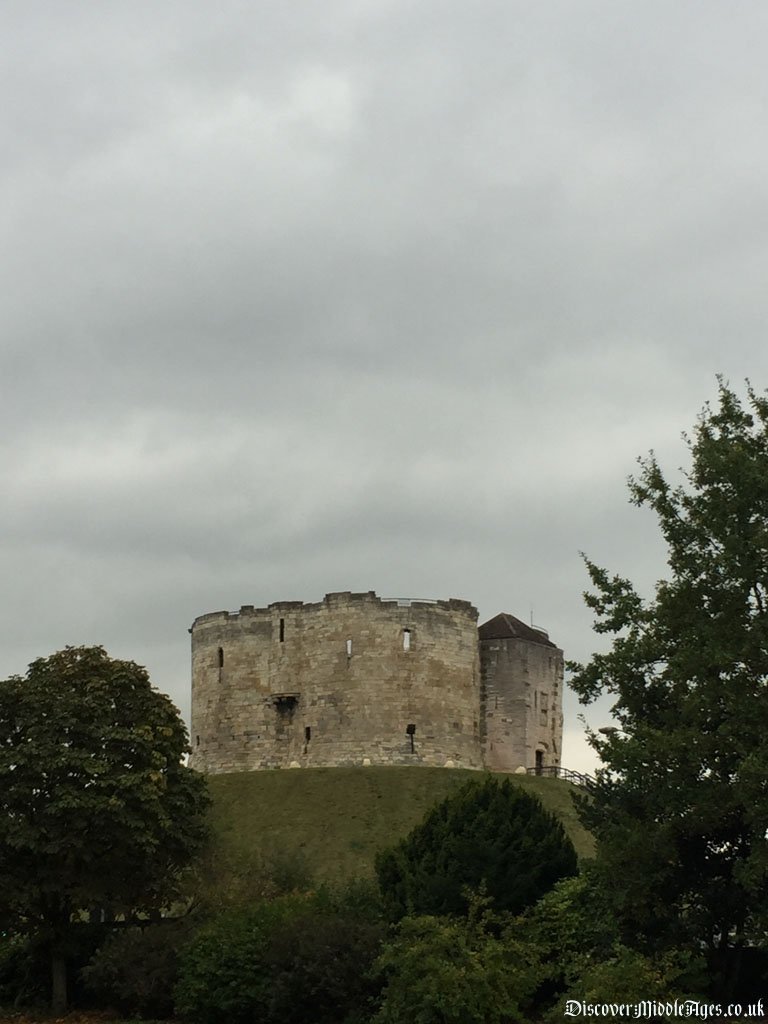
[
  {"x": 58, "y": 982},
  {"x": 732, "y": 972}
]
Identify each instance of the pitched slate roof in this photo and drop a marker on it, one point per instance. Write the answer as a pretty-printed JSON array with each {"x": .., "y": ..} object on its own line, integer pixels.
[{"x": 504, "y": 626}]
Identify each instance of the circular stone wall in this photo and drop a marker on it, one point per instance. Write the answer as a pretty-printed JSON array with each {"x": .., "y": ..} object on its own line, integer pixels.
[{"x": 352, "y": 679}]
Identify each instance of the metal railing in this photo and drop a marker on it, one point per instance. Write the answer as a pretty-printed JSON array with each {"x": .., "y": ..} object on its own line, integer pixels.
[{"x": 554, "y": 771}]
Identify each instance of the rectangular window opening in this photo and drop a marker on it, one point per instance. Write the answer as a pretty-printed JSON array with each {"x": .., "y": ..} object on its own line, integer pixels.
[
  {"x": 349, "y": 648},
  {"x": 282, "y": 630},
  {"x": 221, "y": 657},
  {"x": 406, "y": 639},
  {"x": 410, "y": 731},
  {"x": 307, "y": 733},
  {"x": 197, "y": 741}
]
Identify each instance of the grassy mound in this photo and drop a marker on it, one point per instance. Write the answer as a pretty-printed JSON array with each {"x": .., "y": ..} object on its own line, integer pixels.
[{"x": 332, "y": 821}]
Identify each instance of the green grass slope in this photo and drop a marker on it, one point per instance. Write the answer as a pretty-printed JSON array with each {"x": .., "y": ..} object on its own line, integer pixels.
[{"x": 334, "y": 820}]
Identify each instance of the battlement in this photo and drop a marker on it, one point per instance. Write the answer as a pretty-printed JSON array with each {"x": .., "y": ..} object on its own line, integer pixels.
[{"x": 336, "y": 600}]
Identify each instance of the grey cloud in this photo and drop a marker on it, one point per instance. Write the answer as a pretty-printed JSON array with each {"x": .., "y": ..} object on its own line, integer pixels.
[{"x": 385, "y": 296}]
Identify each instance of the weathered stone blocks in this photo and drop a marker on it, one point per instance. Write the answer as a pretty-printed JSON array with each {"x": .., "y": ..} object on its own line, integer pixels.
[{"x": 355, "y": 679}]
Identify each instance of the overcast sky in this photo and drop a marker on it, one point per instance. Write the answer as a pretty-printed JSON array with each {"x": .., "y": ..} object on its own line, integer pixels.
[{"x": 361, "y": 295}]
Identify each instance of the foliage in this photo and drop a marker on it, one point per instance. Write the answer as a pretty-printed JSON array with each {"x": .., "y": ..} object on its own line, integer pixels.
[
  {"x": 568, "y": 924},
  {"x": 226, "y": 878},
  {"x": 136, "y": 969},
  {"x": 23, "y": 978},
  {"x": 222, "y": 974},
  {"x": 580, "y": 955},
  {"x": 25, "y": 960},
  {"x": 97, "y": 809},
  {"x": 320, "y": 967},
  {"x": 681, "y": 805},
  {"x": 285, "y": 961},
  {"x": 453, "y": 971},
  {"x": 631, "y": 977},
  {"x": 488, "y": 834}
]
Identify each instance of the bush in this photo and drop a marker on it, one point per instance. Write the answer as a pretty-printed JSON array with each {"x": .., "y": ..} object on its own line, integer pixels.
[
  {"x": 221, "y": 974},
  {"x": 489, "y": 834},
  {"x": 453, "y": 971},
  {"x": 320, "y": 964},
  {"x": 569, "y": 926},
  {"x": 136, "y": 969},
  {"x": 23, "y": 971},
  {"x": 630, "y": 977},
  {"x": 576, "y": 939},
  {"x": 25, "y": 959},
  {"x": 226, "y": 879},
  {"x": 295, "y": 959}
]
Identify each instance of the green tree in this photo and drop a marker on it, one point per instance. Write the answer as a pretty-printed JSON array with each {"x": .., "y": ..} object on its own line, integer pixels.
[
  {"x": 136, "y": 969},
  {"x": 300, "y": 957},
  {"x": 488, "y": 833},
  {"x": 224, "y": 974},
  {"x": 441, "y": 970},
  {"x": 680, "y": 809},
  {"x": 97, "y": 809},
  {"x": 573, "y": 936}
]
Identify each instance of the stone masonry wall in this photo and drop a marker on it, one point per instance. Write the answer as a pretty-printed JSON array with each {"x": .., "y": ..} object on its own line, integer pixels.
[
  {"x": 350, "y": 680},
  {"x": 522, "y": 685}
]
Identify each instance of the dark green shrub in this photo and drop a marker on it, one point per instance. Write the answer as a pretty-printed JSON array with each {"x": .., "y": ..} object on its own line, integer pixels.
[
  {"x": 25, "y": 959},
  {"x": 569, "y": 925},
  {"x": 320, "y": 964},
  {"x": 222, "y": 974},
  {"x": 136, "y": 969},
  {"x": 358, "y": 898},
  {"x": 489, "y": 835},
  {"x": 23, "y": 971},
  {"x": 226, "y": 879},
  {"x": 295, "y": 959},
  {"x": 440, "y": 970},
  {"x": 581, "y": 953}
]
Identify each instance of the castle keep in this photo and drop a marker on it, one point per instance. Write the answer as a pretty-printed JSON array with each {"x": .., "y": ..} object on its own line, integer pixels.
[{"x": 357, "y": 680}]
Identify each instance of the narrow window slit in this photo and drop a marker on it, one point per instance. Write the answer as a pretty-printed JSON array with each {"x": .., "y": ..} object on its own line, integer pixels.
[
  {"x": 221, "y": 657},
  {"x": 410, "y": 731},
  {"x": 406, "y": 639}
]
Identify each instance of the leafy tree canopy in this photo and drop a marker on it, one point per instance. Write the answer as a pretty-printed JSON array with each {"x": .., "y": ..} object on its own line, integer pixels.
[
  {"x": 490, "y": 834},
  {"x": 299, "y": 957},
  {"x": 97, "y": 809},
  {"x": 681, "y": 806},
  {"x": 439, "y": 970},
  {"x": 574, "y": 937}
]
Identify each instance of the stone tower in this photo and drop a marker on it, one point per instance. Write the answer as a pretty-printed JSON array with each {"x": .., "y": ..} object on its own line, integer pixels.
[
  {"x": 349, "y": 680},
  {"x": 522, "y": 694},
  {"x": 355, "y": 680}
]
